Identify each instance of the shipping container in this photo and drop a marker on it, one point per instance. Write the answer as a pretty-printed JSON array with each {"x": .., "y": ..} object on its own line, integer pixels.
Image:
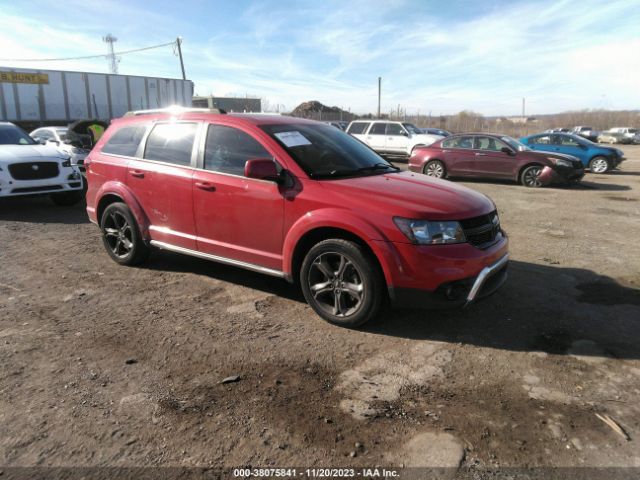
[{"x": 48, "y": 97}]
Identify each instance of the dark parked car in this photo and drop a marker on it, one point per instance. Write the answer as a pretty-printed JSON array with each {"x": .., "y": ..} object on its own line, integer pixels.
[{"x": 494, "y": 156}]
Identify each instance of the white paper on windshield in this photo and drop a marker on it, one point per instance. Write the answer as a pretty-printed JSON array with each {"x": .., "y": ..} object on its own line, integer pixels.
[{"x": 292, "y": 139}]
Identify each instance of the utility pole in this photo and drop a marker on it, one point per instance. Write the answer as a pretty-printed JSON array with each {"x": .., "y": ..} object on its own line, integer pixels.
[
  {"x": 179, "y": 45},
  {"x": 113, "y": 60},
  {"x": 379, "y": 94}
]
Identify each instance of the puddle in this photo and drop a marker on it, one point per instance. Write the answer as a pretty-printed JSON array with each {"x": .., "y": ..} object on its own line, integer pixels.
[{"x": 557, "y": 342}]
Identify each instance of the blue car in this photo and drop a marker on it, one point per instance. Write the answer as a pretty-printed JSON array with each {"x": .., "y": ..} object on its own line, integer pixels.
[{"x": 596, "y": 158}]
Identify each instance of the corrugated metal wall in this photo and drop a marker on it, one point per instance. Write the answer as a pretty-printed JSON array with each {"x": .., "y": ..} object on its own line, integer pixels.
[{"x": 72, "y": 96}]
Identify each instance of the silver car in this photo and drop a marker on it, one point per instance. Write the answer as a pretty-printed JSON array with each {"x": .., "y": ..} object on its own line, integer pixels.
[{"x": 65, "y": 142}]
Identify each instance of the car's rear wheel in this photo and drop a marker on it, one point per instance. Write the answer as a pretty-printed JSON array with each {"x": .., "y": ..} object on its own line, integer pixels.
[
  {"x": 121, "y": 235},
  {"x": 530, "y": 176},
  {"x": 342, "y": 283},
  {"x": 599, "y": 165},
  {"x": 435, "y": 168}
]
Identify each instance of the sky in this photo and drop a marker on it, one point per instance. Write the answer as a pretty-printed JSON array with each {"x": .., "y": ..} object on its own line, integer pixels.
[{"x": 433, "y": 57}]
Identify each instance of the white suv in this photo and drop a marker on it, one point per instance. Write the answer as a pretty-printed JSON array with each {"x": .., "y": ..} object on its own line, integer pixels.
[
  {"x": 28, "y": 168},
  {"x": 390, "y": 138}
]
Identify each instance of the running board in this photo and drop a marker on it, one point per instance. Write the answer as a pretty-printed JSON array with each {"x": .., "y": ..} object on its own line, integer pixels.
[{"x": 215, "y": 258}]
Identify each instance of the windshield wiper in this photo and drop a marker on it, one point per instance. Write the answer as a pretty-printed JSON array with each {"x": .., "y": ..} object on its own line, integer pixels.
[{"x": 377, "y": 166}]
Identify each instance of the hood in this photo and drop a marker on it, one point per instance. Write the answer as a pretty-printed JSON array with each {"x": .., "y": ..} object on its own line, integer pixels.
[
  {"x": 29, "y": 153},
  {"x": 411, "y": 195}
]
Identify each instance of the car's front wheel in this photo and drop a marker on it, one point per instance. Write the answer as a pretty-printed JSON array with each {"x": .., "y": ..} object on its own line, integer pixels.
[
  {"x": 435, "y": 168},
  {"x": 599, "y": 165},
  {"x": 342, "y": 283},
  {"x": 121, "y": 235},
  {"x": 530, "y": 176}
]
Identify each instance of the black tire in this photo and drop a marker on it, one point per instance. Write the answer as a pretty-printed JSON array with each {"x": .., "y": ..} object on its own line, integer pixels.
[
  {"x": 435, "y": 169},
  {"x": 66, "y": 199},
  {"x": 599, "y": 165},
  {"x": 348, "y": 294},
  {"x": 529, "y": 176},
  {"x": 121, "y": 235}
]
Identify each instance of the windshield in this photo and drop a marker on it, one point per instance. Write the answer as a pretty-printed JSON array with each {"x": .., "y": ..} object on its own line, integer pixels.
[
  {"x": 411, "y": 128},
  {"x": 513, "y": 143},
  {"x": 12, "y": 135},
  {"x": 324, "y": 151}
]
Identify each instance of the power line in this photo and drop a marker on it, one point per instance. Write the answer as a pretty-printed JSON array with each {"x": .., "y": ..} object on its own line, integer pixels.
[{"x": 124, "y": 52}]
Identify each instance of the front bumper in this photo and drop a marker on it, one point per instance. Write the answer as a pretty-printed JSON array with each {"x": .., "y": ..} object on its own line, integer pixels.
[
  {"x": 68, "y": 179},
  {"x": 444, "y": 276},
  {"x": 549, "y": 176}
]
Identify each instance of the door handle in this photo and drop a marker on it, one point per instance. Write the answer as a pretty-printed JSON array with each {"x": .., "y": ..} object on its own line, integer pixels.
[
  {"x": 478, "y": 154},
  {"x": 137, "y": 174},
  {"x": 205, "y": 186}
]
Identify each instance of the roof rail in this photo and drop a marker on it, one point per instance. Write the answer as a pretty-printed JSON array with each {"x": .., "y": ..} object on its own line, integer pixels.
[{"x": 175, "y": 109}]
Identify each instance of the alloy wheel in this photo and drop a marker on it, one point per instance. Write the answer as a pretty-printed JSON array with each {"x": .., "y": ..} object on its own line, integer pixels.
[
  {"x": 531, "y": 177},
  {"x": 435, "y": 170},
  {"x": 599, "y": 165},
  {"x": 118, "y": 234},
  {"x": 336, "y": 284}
]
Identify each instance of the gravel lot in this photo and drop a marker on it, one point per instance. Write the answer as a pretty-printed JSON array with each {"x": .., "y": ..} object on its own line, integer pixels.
[{"x": 107, "y": 365}]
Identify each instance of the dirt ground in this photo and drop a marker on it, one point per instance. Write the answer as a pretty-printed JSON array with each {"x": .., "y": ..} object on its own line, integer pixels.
[{"x": 103, "y": 365}]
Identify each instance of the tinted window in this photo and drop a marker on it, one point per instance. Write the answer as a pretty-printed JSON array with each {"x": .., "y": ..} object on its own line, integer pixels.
[
  {"x": 125, "y": 141},
  {"x": 488, "y": 143},
  {"x": 458, "y": 142},
  {"x": 12, "y": 135},
  {"x": 377, "y": 129},
  {"x": 566, "y": 140},
  {"x": 394, "y": 129},
  {"x": 542, "y": 140},
  {"x": 228, "y": 149},
  {"x": 171, "y": 143},
  {"x": 358, "y": 127}
]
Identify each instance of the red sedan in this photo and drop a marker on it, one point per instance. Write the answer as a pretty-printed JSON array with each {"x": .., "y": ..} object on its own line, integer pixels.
[{"x": 482, "y": 155}]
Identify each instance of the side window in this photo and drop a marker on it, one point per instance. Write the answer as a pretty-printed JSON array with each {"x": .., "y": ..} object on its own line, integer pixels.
[
  {"x": 566, "y": 140},
  {"x": 227, "y": 150},
  {"x": 458, "y": 142},
  {"x": 358, "y": 128},
  {"x": 125, "y": 141},
  {"x": 542, "y": 140},
  {"x": 394, "y": 129},
  {"x": 377, "y": 129},
  {"x": 488, "y": 143},
  {"x": 171, "y": 143}
]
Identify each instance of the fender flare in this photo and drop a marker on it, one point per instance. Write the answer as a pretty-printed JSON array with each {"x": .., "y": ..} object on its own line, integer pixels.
[
  {"x": 119, "y": 189},
  {"x": 339, "y": 219}
]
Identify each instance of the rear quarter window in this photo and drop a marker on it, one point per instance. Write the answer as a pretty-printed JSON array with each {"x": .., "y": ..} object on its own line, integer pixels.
[{"x": 125, "y": 141}]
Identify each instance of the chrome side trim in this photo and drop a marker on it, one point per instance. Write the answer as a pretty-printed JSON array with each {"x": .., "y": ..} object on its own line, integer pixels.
[
  {"x": 485, "y": 273},
  {"x": 216, "y": 258}
]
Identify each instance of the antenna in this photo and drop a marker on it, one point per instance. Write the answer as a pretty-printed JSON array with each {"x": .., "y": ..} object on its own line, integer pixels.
[{"x": 112, "y": 58}]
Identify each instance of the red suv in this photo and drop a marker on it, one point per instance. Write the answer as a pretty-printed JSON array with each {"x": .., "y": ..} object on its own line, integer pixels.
[{"x": 295, "y": 199}]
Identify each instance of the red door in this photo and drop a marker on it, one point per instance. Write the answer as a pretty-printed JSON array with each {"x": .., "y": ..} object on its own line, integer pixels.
[
  {"x": 161, "y": 183},
  {"x": 459, "y": 155},
  {"x": 236, "y": 217},
  {"x": 491, "y": 161}
]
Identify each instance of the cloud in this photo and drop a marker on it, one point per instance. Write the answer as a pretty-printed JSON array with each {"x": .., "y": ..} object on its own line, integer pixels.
[{"x": 558, "y": 54}]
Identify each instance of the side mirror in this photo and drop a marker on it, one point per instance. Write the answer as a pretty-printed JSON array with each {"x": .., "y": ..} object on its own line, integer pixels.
[
  {"x": 508, "y": 151},
  {"x": 261, "y": 169},
  {"x": 405, "y": 134},
  {"x": 55, "y": 142}
]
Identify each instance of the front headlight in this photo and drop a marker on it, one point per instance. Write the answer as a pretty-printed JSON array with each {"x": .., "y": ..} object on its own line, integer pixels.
[
  {"x": 424, "y": 232},
  {"x": 562, "y": 163}
]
